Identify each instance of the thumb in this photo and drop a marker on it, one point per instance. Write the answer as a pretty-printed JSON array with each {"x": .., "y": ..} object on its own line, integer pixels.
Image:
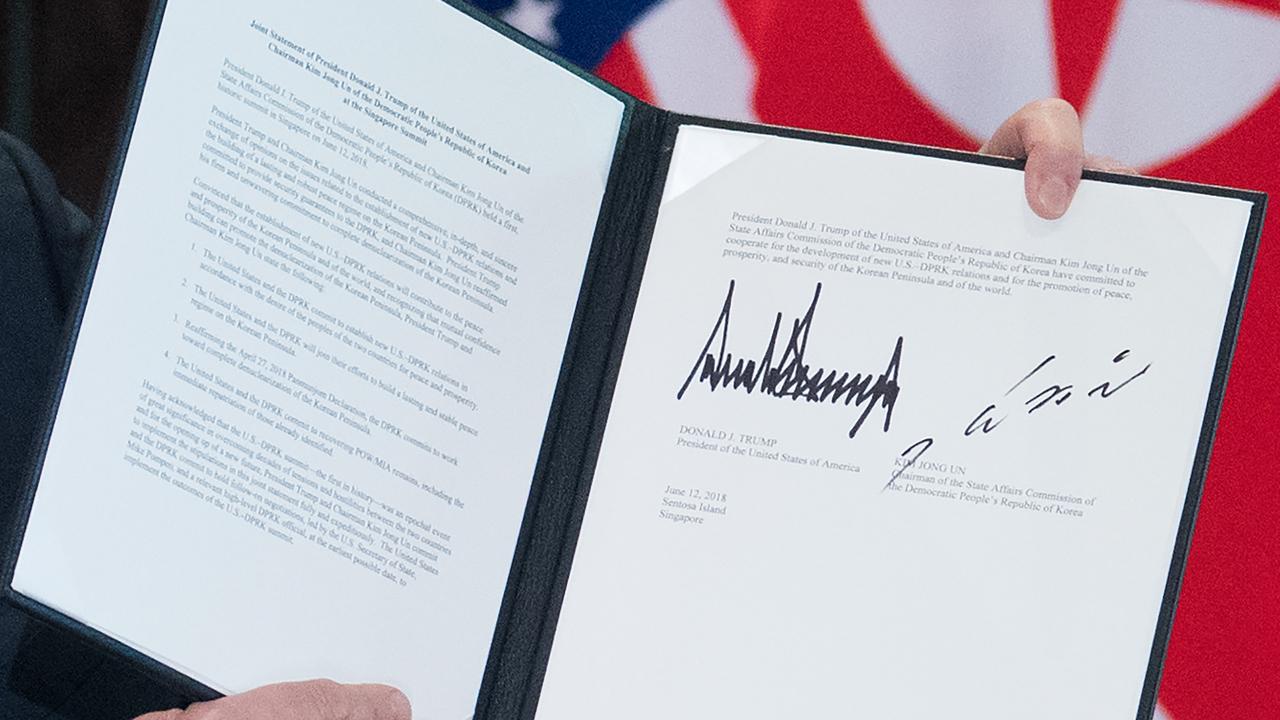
[
  {"x": 1047, "y": 133},
  {"x": 310, "y": 700}
]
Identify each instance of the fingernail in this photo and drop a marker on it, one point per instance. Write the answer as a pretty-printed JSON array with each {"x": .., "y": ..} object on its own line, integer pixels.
[
  {"x": 400, "y": 707},
  {"x": 1053, "y": 197}
]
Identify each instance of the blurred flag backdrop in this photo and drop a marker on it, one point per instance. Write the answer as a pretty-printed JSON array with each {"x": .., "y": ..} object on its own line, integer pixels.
[{"x": 1187, "y": 89}]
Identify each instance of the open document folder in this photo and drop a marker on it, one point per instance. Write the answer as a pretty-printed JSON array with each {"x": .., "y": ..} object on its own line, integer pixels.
[{"x": 411, "y": 354}]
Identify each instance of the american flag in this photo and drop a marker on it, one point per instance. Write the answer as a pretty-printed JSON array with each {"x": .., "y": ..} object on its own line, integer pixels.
[{"x": 1187, "y": 89}]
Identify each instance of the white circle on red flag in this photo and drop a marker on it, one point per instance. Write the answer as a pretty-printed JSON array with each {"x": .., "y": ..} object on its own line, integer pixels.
[{"x": 1170, "y": 76}]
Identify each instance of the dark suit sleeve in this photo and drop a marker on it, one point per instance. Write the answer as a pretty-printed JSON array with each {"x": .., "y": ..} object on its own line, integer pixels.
[
  {"x": 41, "y": 241},
  {"x": 41, "y": 237},
  {"x": 44, "y": 671}
]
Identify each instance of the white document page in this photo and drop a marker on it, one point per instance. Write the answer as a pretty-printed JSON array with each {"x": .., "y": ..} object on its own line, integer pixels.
[
  {"x": 312, "y": 382},
  {"x": 976, "y": 521}
]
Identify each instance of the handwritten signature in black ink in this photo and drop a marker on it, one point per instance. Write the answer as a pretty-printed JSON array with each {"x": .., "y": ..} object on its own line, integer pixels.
[
  {"x": 786, "y": 374},
  {"x": 1051, "y": 395}
]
